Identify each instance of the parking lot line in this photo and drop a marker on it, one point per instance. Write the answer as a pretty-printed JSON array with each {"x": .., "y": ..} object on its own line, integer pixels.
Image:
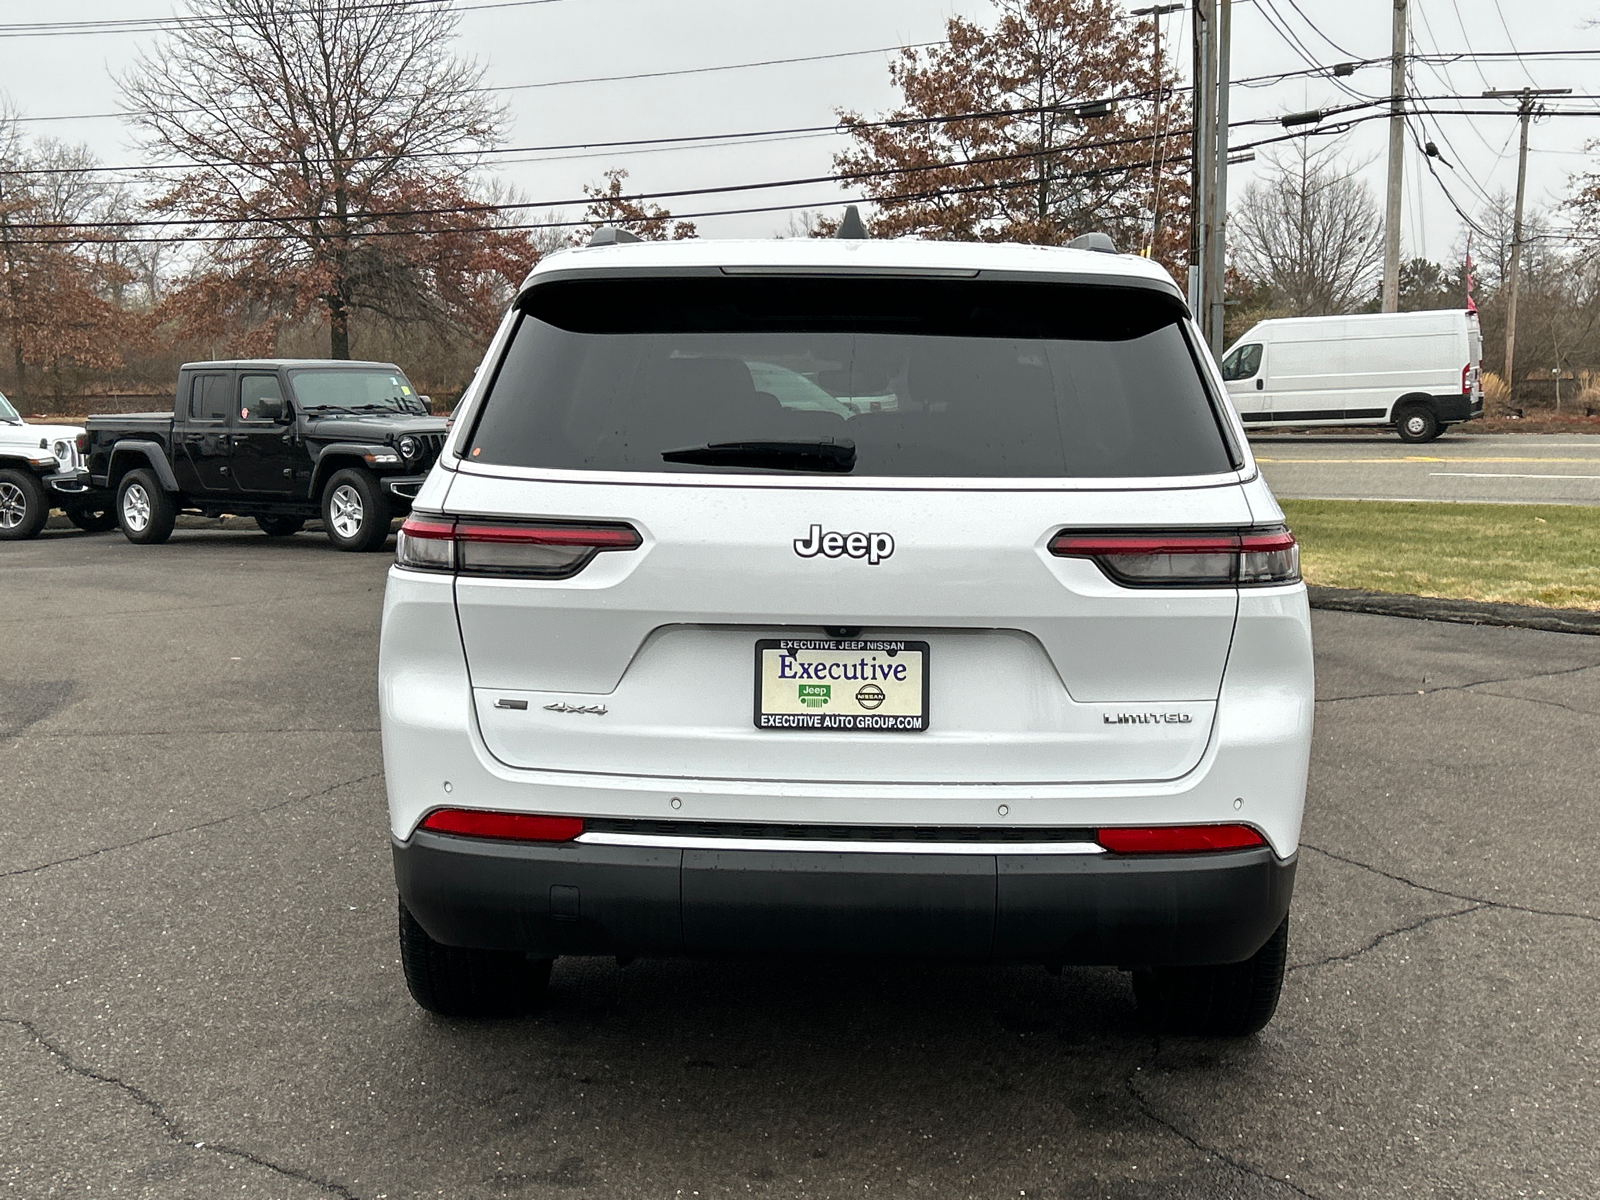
[{"x": 1499, "y": 475}]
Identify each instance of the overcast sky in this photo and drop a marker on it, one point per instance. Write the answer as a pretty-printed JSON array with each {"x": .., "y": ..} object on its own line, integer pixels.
[{"x": 563, "y": 40}]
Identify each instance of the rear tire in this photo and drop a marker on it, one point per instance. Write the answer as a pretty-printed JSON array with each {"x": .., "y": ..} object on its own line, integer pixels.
[
  {"x": 1417, "y": 423},
  {"x": 93, "y": 520},
  {"x": 1231, "y": 1000},
  {"x": 24, "y": 505},
  {"x": 355, "y": 510},
  {"x": 278, "y": 527},
  {"x": 144, "y": 509},
  {"x": 452, "y": 981}
]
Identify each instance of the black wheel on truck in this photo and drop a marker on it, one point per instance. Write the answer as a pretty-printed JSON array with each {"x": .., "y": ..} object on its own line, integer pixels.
[
  {"x": 24, "y": 506},
  {"x": 144, "y": 510},
  {"x": 355, "y": 510},
  {"x": 281, "y": 526},
  {"x": 1417, "y": 423},
  {"x": 452, "y": 981},
  {"x": 93, "y": 520},
  {"x": 1231, "y": 1000}
]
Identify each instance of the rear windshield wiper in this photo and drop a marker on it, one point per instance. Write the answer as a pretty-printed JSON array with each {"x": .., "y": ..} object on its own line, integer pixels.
[{"x": 838, "y": 457}]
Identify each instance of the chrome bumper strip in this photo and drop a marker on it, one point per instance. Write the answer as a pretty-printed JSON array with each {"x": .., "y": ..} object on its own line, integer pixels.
[{"x": 829, "y": 845}]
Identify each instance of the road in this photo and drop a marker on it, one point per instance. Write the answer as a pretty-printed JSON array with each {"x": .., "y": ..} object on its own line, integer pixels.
[
  {"x": 1495, "y": 468},
  {"x": 200, "y": 994}
]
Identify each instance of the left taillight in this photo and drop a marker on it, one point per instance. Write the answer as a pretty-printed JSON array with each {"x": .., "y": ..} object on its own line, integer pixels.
[
  {"x": 526, "y": 549},
  {"x": 1231, "y": 558},
  {"x": 505, "y": 826}
]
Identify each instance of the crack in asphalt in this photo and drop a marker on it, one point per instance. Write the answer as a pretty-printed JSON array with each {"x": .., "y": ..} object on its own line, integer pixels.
[
  {"x": 1379, "y": 939},
  {"x": 1244, "y": 1168},
  {"x": 1582, "y": 712},
  {"x": 166, "y": 833},
  {"x": 1481, "y": 901},
  {"x": 169, "y": 1124},
  {"x": 1472, "y": 904},
  {"x": 1460, "y": 687}
]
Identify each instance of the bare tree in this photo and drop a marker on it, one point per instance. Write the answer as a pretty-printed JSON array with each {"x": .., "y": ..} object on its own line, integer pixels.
[
  {"x": 1310, "y": 233},
  {"x": 56, "y": 288},
  {"x": 332, "y": 149}
]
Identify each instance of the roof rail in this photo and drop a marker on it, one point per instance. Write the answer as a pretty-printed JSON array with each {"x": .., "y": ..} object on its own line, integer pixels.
[
  {"x": 851, "y": 226},
  {"x": 612, "y": 235},
  {"x": 1093, "y": 241}
]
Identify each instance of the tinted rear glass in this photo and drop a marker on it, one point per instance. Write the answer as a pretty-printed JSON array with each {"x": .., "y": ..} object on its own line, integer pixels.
[{"x": 921, "y": 378}]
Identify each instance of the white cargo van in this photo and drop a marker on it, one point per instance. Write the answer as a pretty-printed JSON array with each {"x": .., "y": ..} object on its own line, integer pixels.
[{"x": 1416, "y": 371}]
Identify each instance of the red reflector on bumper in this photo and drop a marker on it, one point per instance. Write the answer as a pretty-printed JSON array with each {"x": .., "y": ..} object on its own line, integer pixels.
[
  {"x": 514, "y": 827},
  {"x": 1179, "y": 839}
]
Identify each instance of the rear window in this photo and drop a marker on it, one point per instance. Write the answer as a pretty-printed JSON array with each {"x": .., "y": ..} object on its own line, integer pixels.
[{"x": 875, "y": 377}]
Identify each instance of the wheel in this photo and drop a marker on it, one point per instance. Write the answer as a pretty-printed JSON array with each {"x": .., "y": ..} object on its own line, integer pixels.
[
  {"x": 24, "y": 506},
  {"x": 355, "y": 511},
  {"x": 1225, "y": 1001},
  {"x": 1417, "y": 423},
  {"x": 456, "y": 982},
  {"x": 144, "y": 510},
  {"x": 281, "y": 526},
  {"x": 93, "y": 520}
]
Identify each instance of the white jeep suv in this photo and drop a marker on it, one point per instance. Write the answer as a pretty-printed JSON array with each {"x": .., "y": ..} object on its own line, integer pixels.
[{"x": 847, "y": 597}]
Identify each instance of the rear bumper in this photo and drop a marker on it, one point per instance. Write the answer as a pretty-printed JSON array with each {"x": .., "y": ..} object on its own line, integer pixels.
[
  {"x": 1453, "y": 409},
  {"x": 569, "y": 898}
]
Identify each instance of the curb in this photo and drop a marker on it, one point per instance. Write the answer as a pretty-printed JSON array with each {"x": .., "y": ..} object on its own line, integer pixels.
[{"x": 1463, "y": 612}]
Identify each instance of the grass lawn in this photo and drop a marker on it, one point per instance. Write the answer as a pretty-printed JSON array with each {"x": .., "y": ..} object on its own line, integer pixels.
[{"x": 1545, "y": 554}]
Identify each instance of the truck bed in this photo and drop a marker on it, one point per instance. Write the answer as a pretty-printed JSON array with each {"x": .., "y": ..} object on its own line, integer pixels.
[{"x": 107, "y": 430}]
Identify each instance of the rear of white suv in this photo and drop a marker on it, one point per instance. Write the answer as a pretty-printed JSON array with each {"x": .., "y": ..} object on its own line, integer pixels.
[{"x": 847, "y": 598}]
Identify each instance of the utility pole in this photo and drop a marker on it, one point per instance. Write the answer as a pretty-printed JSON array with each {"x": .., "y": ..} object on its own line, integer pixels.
[
  {"x": 1526, "y": 109},
  {"x": 1155, "y": 13},
  {"x": 1203, "y": 168},
  {"x": 1397, "y": 160},
  {"x": 1217, "y": 268}
]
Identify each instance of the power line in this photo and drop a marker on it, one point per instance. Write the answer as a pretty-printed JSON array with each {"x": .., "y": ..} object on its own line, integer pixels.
[
  {"x": 1280, "y": 26},
  {"x": 1315, "y": 29},
  {"x": 900, "y": 197},
  {"x": 447, "y": 210},
  {"x": 925, "y": 194},
  {"x": 1253, "y": 81},
  {"x": 1337, "y": 128},
  {"x": 172, "y": 24},
  {"x": 550, "y": 83},
  {"x": 838, "y": 128},
  {"x": 1512, "y": 42}
]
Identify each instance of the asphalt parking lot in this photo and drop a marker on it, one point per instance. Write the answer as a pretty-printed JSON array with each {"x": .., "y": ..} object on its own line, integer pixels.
[
  {"x": 200, "y": 994},
  {"x": 1496, "y": 468}
]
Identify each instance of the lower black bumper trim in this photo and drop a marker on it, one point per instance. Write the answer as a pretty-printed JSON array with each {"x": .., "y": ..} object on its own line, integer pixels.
[{"x": 1120, "y": 910}]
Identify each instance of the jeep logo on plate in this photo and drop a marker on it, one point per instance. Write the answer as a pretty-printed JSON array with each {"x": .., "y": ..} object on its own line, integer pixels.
[{"x": 874, "y": 547}]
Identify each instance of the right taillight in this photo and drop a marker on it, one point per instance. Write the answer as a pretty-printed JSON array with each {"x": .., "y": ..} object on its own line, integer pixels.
[
  {"x": 1198, "y": 558},
  {"x": 527, "y": 549},
  {"x": 1178, "y": 839}
]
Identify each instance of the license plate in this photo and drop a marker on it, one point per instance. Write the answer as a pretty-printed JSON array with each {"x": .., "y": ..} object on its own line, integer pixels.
[{"x": 862, "y": 686}]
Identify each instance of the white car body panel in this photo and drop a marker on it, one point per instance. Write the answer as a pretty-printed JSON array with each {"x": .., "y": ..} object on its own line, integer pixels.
[{"x": 1030, "y": 653}]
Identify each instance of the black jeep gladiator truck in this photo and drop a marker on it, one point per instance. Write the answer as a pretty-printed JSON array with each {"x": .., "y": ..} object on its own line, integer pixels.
[{"x": 282, "y": 440}]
